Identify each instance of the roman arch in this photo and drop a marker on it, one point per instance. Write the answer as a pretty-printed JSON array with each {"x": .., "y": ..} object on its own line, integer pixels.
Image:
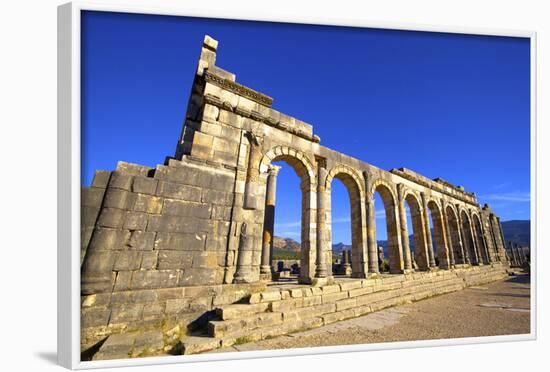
[
  {"x": 205, "y": 216},
  {"x": 193, "y": 236}
]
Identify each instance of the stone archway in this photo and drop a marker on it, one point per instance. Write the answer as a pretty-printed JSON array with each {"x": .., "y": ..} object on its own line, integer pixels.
[
  {"x": 468, "y": 235},
  {"x": 419, "y": 232},
  {"x": 389, "y": 199},
  {"x": 303, "y": 167},
  {"x": 352, "y": 181},
  {"x": 483, "y": 252},
  {"x": 442, "y": 251},
  {"x": 454, "y": 233}
]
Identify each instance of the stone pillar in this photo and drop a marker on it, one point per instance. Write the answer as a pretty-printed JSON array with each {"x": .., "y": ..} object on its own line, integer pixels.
[
  {"x": 244, "y": 258},
  {"x": 253, "y": 172},
  {"x": 371, "y": 233},
  {"x": 322, "y": 196},
  {"x": 447, "y": 230},
  {"x": 501, "y": 234},
  {"x": 473, "y": 241},
  {"x": 407, "y": 262},
  {"x": 465, "y": 253},
  {"x": 346, "y": 262},
  {"x": 484, "y": 242},
  {"x": 427, "y": 230},
  {"x": 269, "y": 222}
]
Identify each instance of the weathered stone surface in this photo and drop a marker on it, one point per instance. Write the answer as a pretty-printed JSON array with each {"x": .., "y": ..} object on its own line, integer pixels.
[{"x": 199, "y": 220}]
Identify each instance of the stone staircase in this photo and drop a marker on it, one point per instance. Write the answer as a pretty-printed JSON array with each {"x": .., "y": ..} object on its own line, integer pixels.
[{"x": 291, "y": 308}]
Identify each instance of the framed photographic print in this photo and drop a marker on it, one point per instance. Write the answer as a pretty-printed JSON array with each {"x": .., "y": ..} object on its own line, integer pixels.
[{"x": 234, "y": 188}]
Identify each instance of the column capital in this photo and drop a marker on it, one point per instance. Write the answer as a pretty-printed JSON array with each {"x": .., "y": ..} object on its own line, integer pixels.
[{"x": 273, "y": 170}]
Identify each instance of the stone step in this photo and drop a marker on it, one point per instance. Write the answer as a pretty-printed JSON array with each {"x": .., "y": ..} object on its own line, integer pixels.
[
  {"x": 198, "y": 344},
  {"x": 235, "y": 311},
  {"x": 283, "y": 311},
  {"x": 221, "y": 328}
]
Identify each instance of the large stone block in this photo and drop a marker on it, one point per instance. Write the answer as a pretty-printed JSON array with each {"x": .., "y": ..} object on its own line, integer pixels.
[
  {"x": 121, "y": 181},
  {"x": 198, "y": 276},
  {"x": 149, "y": 260},
  {"x": 148, "y": 203},
  {"x": 174, "y": 259},
  {"x": 142, "y": 240},
  {"x": 101, "y": 179},
  {"x": 94, "y": 316},
  {"x": 127, "y": 261},
  {"x": 135, "y": 221},
  {"x": 179, "y": 191},
  {"x": 91, "y": 197},
  {"x": 126, "y": 313},
  {"x": 180, "y": 241},
  {"x": 111, "y": 217},
  {"x": 99, "y": 261},
  {"x": 144, "y": 185},
  {"x": 120, "y": 199},
  {"x": 217, "y": 197},
  {"x": 184, "y": 208},
  {"x": 173, "y": 224}
]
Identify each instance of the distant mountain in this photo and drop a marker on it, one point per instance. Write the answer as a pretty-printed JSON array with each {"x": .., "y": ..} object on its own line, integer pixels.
[
  {"x": 517, "y": 231},
  {"x": 286, "y": 244},
  {"x": 339, "y": 247}
]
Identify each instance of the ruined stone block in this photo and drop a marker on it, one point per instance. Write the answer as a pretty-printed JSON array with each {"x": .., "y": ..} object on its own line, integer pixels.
[
  {"x": 184, "y": 208},
  {"x": 180, "y": 241},
  {"x": 126, "y": 313},
  {"x": 101, "y": 179},
  {"x": 178, "y": 191},
  {"x": 111, "y": 217},
  {"x": 120, "y": 199},
  {"x": 149, "y": 260},
  {"x": 135, "y": 221},
  {"x": 144, "y": 185},
  {"x": 141, "y": 240},
  {"x": 94, "y": 316},
  {"x": 148, "y": 203},
  {"x": 121, "y": 181},
  {"x": 127, "y": 261}
]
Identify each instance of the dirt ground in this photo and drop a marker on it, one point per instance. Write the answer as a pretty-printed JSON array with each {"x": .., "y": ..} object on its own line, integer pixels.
[{"x": 501, "y": 308}]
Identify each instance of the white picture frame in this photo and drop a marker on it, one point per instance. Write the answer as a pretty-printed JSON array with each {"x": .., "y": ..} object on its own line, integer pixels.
[{"x": 69, "y": 182}]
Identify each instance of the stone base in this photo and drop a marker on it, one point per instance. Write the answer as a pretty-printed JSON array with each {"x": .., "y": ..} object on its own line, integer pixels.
[{"x": 319, "y": 282}]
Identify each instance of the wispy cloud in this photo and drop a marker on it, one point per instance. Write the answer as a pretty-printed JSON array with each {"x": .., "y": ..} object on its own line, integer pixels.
[
  {"x": 288, "y": 224},
  {"x": 509, "y": 197},
  {"x": 341, "y": 220},
  {"x": 290, "y": 233},
  {"x": 501, "y": 185}
]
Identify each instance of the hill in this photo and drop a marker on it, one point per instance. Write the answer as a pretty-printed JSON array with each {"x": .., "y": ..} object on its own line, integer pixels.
[{"x": 517, "y": 231}]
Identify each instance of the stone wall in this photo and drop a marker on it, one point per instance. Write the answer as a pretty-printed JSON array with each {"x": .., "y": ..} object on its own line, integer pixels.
[
  {"x": 199, "y": 219},
  {"x": 183, "y": 308}
]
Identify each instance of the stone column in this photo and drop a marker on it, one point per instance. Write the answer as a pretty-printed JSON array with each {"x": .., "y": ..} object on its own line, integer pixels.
[
  {"x": 407, "y": 262},
  {"x": 465, "y": 253},
  {"x": 499, "y": 226},
  {"x": 427, "y": 230},
  {"x": 322, "y": 195},
  {"x": 447, "y": 229},
  {"x": 253, "y": 172},
  {"x": 269, "y": 222},
  {"x": 484, "y": 241},
  {"x": 346, "y": 262},
  {"x": 244, "y": 258},
  {"x": 371, "y": 228},
  {"x": 471, "y": 233}
]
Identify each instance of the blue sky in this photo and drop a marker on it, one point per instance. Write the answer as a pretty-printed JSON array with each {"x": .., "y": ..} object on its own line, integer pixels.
[{"x": 444, "y": 105}]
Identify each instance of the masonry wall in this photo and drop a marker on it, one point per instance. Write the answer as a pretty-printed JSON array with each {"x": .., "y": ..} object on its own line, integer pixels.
[{"x": 157, "y": 228}]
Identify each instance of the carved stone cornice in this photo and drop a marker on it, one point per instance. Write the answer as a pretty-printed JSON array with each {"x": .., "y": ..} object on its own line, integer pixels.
[{"x": 238, "y": 89}]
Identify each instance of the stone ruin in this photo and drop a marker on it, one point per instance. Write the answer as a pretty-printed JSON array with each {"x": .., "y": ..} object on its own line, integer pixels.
[{"x": 174, "y": 243}]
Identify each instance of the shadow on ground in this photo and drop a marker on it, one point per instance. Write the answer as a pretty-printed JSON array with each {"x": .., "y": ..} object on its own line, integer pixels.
[{"x": 48, "y": 356}]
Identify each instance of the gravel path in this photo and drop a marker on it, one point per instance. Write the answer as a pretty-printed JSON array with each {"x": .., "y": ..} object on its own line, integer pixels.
[{"x": 500, "y": 308}]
